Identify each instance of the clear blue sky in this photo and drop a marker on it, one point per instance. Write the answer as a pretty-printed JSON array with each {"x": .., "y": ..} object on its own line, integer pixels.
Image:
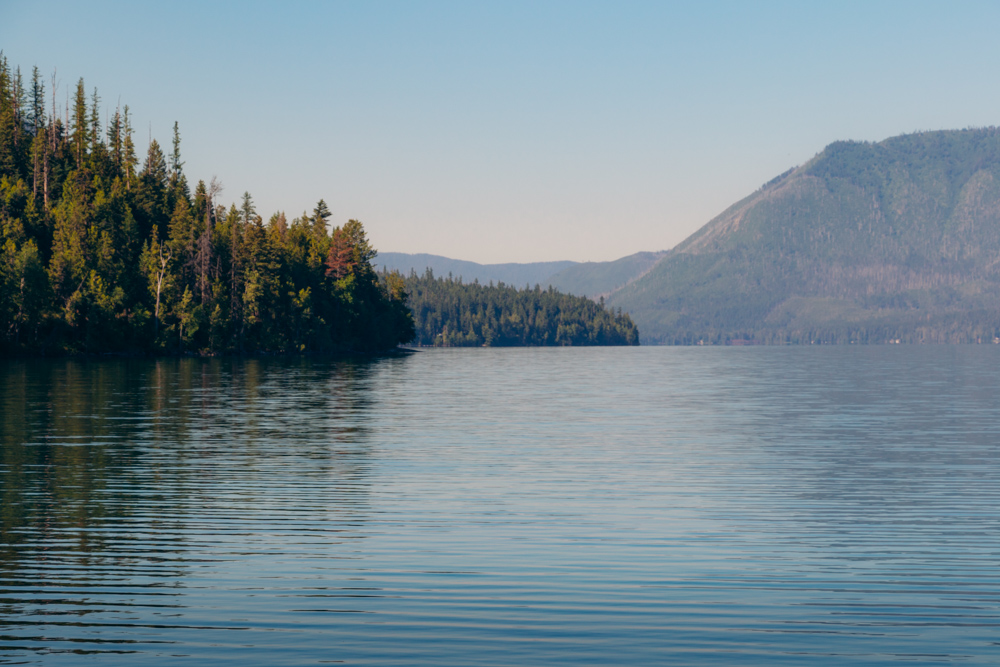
[{"x": 512, "y": 131}]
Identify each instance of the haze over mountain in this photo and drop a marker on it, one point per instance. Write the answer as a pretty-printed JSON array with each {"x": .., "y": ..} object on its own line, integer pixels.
[
  {"x": 518, "y": 275},
  {"x": 591, "y": 279},
  {"x": 597, "y": 279},
  {"x": 867, "y": 242}
]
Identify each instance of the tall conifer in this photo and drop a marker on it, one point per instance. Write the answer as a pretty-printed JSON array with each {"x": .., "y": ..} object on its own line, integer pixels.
[
  {"x": 129, "y": 160},
  {"x": 321, "y": 218},
  {"x": 115, "y": 141},
  {"x": 95, "y": 121},
  {"x": 7, "y": 155},
  {"x": 81, "y": 124},
  {"x": 37, "y": 118},
  {"x": 20, "y": 102}
]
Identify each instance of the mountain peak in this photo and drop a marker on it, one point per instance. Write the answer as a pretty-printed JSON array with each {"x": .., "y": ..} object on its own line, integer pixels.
[{"x": 892, "y": 240}]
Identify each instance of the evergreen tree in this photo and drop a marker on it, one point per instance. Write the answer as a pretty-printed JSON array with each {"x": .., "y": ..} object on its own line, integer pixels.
[
  {"x": 115, "y": 141},
  {"x": 97, "y": 255},
  {"x": 320, "y": 219},
  {"x": 8, "y": 155},
  {"x": 449, "y": 313},
  {"x": 36, "y": 119},
  {"x": 81, "y": 125},
  {"x": 129, "y": 160},
  {"x": 152, "y": 194},
  {"x": 178, "y": 183},
  {"x": 95, "y": 122}
]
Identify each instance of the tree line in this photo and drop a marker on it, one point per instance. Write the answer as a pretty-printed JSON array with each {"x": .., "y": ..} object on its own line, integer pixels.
[
  {"x": 450, "y": 313},
  {"x": 104, "y": 253}
]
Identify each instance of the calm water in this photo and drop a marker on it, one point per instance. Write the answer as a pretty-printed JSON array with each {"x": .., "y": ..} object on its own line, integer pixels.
[{"x": 533, "y": 506}]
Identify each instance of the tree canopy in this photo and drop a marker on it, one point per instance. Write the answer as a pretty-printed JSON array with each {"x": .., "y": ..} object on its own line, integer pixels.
[
  {"x": 450, "y": 313},
  {"x": 102, "y": 254}
]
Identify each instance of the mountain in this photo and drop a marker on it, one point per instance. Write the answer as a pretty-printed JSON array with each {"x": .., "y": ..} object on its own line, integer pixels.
[
  {"x": 867, "y": 242},
  {"x": 596, "y": 279},
  {"x": 591, "y": 279},
  {"x": 518, "y": 275}
]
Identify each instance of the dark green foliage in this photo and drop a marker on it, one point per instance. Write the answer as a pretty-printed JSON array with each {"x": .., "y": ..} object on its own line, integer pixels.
[
  {"x": 99, "y": 256},
  {"x": 450, "y": 313},
  {"x": 872, "y": 243}
]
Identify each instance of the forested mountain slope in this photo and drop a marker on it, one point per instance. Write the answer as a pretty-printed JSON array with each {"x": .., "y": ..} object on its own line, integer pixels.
[
  {"x": 596, "y": 279},
  {"x": 867, "y": 242}
]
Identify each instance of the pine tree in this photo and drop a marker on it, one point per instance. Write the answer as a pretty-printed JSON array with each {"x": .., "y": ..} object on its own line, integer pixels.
[
  {"x": 37, "y": 117},
  {"x": 175, "y": 156},
  {"x": 178, "y": 183},
  {"x": 155, "y": 167},
  {"x": 95, "y": 122},
  {"x": 8, "y": 160},
  {"x": 115, "y": 141},
  {"x": 81, "y": 124},
  {"x": 22, "y": 135},
  {"x": 39, "y": 154},
  {"x": 248, "y": 211},
  {"x": 320, "y": 219},
  {"x": 152, "y": 197},
  {"x": 203, "y": 250},
  {"x": 129, "y": 160}
]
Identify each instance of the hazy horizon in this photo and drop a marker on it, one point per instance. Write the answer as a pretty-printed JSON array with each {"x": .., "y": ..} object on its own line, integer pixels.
[{"x": 514, "y": 132}]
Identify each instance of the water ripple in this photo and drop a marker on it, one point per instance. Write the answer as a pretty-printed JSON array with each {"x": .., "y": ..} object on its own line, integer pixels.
[{"x": 497, "y": 507}]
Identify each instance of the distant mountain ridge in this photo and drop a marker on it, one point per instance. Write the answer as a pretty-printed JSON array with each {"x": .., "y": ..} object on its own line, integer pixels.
[
  {"x": 590, "y": 279},
  {"x": 867, "y": 242},
  {"x": 597, "y": 279},
  {"x": 518, "y": 275}
]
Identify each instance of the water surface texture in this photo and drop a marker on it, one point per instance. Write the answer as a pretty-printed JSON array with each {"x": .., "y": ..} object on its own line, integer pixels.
[{"x": 519, "y": 506}]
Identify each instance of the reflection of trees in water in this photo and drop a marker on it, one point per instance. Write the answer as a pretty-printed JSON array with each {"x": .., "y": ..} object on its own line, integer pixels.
[
  {"x": 70, "y": 471},
  {"x": 107, "y": 464},
  {"x": 256, "y": 429}
]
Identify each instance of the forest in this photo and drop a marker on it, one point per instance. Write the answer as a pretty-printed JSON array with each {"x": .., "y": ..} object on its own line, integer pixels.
[
  {"x": 450, "y": 313},
  {"x": 103, "y": 253}
]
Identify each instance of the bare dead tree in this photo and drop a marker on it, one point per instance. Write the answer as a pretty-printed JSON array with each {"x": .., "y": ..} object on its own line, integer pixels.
[{"x": 164, "y": 260}]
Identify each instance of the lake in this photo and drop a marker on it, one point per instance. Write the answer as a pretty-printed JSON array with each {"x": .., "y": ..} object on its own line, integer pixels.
[{"x": 736, "y": 506}]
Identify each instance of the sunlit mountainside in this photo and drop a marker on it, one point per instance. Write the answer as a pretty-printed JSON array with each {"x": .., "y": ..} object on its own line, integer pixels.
[{"x": 867, "y": 242}]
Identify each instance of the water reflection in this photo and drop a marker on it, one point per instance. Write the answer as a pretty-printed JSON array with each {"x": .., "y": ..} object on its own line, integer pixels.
[
  {"x": 124, "y": 482},
  {"x": 639, "y": 506}
]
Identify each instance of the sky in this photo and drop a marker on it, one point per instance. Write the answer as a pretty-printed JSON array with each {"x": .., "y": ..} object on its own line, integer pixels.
[{"x": 514, "y": 131}]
